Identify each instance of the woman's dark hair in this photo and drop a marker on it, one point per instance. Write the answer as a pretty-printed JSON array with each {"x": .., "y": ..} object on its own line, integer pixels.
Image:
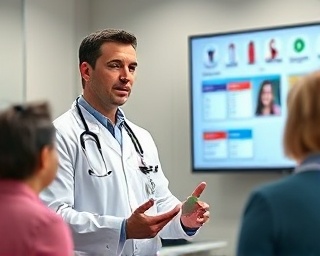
[{"x": 24, "y": 131}]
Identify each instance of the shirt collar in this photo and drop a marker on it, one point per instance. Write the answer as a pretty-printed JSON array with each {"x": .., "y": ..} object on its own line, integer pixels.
[
  {"x": 310, "y": 163},
  {"x": 106, "y": 122},
  {"x": 313, "y": 158}
]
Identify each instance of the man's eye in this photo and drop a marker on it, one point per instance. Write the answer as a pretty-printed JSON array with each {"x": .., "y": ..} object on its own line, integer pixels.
[
  {"x": 132, "y": 69},
  {"x": 114, "y": 65}
]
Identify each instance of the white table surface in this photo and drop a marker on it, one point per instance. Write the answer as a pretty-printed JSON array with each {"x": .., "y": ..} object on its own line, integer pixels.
[{"x": 191, "y": 248}]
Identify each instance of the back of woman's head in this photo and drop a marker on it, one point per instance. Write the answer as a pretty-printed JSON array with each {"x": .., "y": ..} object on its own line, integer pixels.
[
  {"x": 24, "y": 131},
  {"x": 302, "y": 130}
]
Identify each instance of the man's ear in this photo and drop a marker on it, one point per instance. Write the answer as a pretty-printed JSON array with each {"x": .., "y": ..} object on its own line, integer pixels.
[{"x": 85, "y": 69}]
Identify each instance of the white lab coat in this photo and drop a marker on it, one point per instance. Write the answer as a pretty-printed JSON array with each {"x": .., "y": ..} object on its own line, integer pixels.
[{"x": 95, "y": 207}]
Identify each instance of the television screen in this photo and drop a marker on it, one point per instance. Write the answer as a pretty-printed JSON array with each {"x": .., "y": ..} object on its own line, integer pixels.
[{"x": 239, "y": 83}]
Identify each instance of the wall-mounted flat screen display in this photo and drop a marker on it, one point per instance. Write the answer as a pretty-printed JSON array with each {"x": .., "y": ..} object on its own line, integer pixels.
[{"x": 238, "y": 88}]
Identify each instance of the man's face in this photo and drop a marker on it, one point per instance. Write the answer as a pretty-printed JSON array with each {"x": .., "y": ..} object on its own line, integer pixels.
[{"x": 109, "y": 83}]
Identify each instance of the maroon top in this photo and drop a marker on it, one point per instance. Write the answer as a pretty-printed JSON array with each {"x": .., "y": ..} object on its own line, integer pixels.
[{"x": 27, "y": 226}]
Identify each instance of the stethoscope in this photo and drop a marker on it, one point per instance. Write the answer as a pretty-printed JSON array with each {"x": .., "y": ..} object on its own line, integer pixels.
[{"x": 144, "y": 168}]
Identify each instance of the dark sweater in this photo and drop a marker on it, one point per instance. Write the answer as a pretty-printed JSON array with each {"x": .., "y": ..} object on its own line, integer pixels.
[{"x": 283, "y": 218}]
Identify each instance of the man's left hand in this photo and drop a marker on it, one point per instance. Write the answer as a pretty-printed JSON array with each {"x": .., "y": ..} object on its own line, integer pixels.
[{"x": 194, "y": 212}]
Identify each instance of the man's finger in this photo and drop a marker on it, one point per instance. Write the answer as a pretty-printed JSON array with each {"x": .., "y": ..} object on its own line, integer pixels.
[
  {"x": 204, "y": 205},
  {"x": 144, "y": 207},
  {"x": 203, "y": 219},
  {"x": 199, "y": 189},
  {"x": 167, "y": 216},
  {"x": 161, "y": 224}
]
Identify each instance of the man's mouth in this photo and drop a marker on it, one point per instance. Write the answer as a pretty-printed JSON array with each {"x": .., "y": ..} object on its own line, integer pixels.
[{"x": 122, "y": 88}]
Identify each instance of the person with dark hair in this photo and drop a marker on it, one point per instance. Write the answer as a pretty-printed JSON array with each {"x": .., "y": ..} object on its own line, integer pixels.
[
  {"x": 282, "y": 217},
  {"x": 28, "y": 164},
  {"x": 110, "y": 186},
  {"x": 266, "y": 104}
]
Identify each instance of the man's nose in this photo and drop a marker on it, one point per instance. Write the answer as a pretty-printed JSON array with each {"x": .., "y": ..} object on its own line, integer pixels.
[
  {"x": 124, "y": 79},
  {"x": 125, "y": 75}
]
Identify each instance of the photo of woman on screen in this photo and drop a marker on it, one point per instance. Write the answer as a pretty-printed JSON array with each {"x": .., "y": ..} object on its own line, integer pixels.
[{"x": 266, "y": 100}]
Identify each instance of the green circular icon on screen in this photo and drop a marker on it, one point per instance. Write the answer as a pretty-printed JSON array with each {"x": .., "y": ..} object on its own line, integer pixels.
[{"x": 299, "y": 45}]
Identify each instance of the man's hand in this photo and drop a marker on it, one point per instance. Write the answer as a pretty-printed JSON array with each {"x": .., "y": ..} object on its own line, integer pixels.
[
  {"x": 194, "y": 212},
  {"x": 140, "y": 225}
]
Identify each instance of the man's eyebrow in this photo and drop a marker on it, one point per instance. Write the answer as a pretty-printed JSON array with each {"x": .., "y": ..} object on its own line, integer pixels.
[{"x": 120, "y": 61}]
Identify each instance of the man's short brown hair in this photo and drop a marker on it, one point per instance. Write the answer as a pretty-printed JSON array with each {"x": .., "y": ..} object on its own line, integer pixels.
[{"x": 90, "y": 51}]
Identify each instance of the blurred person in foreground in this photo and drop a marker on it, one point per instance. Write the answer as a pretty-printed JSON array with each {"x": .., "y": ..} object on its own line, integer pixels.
[
  {"x": 283, "y": 217},
  {"x": 28, "y": 164}
]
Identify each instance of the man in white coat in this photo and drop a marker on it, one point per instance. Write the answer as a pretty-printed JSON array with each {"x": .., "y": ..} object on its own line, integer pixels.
[{"x": 110, "y": 187}]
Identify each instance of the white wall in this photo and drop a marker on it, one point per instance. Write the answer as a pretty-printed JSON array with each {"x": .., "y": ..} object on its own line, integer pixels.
[
  {"x": 160, "y": 100},
  {"x": 53, "y": 30},
  {"x": 11, "y": 52}
]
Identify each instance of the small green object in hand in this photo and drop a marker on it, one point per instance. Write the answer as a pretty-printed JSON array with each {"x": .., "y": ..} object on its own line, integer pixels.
[{"x": 189, "y": 205}]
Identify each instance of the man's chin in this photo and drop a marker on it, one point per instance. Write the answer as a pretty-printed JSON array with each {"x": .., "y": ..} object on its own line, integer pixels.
[{"x": 121, "y": 102}]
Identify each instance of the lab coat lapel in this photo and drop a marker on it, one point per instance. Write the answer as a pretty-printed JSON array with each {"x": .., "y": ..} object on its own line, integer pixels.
[
  {"x": 105, "y": 137},
  {"x": 127, "y": 146},
  {"x": 109, "y": 140}
]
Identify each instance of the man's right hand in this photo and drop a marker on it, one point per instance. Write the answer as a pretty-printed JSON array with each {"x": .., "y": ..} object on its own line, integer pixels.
[{"x": 141, "y": 226}]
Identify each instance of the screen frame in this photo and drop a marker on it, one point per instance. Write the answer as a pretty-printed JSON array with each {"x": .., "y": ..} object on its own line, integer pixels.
[{"x": 191, "y": 38}]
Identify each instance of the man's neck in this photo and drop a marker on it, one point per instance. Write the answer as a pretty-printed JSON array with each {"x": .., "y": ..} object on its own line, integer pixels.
[{"x": 110, "y": 113}]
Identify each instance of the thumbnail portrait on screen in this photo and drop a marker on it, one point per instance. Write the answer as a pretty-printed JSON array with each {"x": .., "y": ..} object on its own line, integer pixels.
[{"x": 268, "y": 100}]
